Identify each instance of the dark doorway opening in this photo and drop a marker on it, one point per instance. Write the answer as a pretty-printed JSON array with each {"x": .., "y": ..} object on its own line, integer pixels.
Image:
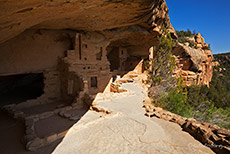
[
  {"x": 93, "y": 82},
  {"x": 15, "y": 89},
  {"x": 114, "y": 59}
]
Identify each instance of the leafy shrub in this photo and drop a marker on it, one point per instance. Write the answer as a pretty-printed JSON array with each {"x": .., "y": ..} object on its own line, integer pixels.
[
  {"x": 162, "y": 66},
  {"x": 182, "y": 37},
  {"x": 182, "y": 33},
  {"x": 176, "y": 100},
  {"x": 196, "y": 102},
  {"x": 164, "y": 62}
]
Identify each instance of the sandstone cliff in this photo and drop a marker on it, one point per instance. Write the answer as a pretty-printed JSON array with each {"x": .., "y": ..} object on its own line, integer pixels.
[
  {"x": 80, "y": 15},
  {"x": 194, "y": 63}
]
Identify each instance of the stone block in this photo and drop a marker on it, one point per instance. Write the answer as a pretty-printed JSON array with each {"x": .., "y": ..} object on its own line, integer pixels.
[
  {"x": 61, "y": 113},
  {"x": 157, "y": 109},
  {"x": 34, "y": 144},
  {"x": 75, "y": 118},
  {"x": 198, "y": 46},
  {"x": 214, "y": 138},
  {"x": 67, "y": 115},
  {"x": 30, "y": 137},
  {"x": 62, "y": 134},
  {"x": 19, "y": 115},
  {"x": 52, "y": 138},
  {"x": 29, "y": 131},
  {"x": 181, "y": 121},
  {"x": 224, "y": 132},
  {"x": 148, "y": 114},
  {"x": 155, "y": 115},
  {"x": 29, "y": 122},
  {"x": 46, "y": 115}
]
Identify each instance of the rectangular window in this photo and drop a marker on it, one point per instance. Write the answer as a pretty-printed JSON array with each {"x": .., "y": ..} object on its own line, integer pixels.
[
  {"x": 99, "y": 55},
  {"x": 93, "y": 82},
  {"x": 80, "y": 47}
]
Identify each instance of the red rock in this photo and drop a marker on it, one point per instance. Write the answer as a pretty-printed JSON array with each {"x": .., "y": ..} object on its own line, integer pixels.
[
  {"x": 224, "y": 132},
  {"x": 195, "y": 65}
]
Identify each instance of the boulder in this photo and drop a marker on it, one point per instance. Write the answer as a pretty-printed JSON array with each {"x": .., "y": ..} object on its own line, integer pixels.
[{"x": 196, "y": 64}]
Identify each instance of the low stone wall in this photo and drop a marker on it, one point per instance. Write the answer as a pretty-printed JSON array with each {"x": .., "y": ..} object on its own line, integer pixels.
[
  {"x": 115, "y": 88},
  {"x": 218, "y": 139},
  {"x": 51, "y": 94},
  {"x": 33, "y": 142},
  {"x": 31, "y": 138}
]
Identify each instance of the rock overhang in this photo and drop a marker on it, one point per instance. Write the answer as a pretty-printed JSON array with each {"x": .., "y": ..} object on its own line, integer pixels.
[{"x": 82, "y": 15}]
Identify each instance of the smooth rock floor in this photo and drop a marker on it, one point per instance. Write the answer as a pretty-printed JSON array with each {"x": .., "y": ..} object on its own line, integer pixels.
[{"x": 126, "y": 130}]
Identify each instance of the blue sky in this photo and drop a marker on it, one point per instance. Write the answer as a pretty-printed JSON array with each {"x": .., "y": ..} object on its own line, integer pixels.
[{"x": 209, "y": 17}]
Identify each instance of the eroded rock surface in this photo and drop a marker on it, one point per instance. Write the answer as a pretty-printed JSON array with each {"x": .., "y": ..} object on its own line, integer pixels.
[
  {"x": 86, "y": 15},
  {"x": 126, "y": 129},
  {"x": 210, "y": 135},
  {"x": 194, "y": 63}
]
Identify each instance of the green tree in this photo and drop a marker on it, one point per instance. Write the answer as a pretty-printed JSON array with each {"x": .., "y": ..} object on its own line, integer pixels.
[{"x": 164, "y": 62}]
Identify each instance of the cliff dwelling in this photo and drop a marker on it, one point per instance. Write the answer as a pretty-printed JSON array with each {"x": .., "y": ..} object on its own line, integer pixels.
[
  {"x": 57, "y": 56},
  {"x": 54, "y": 75}
]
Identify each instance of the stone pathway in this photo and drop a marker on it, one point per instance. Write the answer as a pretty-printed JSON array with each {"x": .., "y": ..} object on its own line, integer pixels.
[{"x": 125, "y": 130}]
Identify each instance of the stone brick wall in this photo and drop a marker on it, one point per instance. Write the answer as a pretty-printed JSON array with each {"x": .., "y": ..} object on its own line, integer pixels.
[
  {"x": 51, "y": 94},
  {"x": 85, "y": 63}
]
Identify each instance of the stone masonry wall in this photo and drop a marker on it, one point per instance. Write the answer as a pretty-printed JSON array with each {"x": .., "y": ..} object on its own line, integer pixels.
[
  {"x": 51, "y": 94},
  {"x": 88, "y": 61}
]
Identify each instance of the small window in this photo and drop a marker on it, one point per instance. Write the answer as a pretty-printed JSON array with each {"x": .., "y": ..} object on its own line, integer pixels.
[
  {"x": 66, "y": 53},
  {"x": 86, "y": 46},
  {"x": 85, "y": 58},
  {"x": 93, "y": 82},
  {"x": 122, "y": 52},
  {"x": 99, "y": 55}
]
